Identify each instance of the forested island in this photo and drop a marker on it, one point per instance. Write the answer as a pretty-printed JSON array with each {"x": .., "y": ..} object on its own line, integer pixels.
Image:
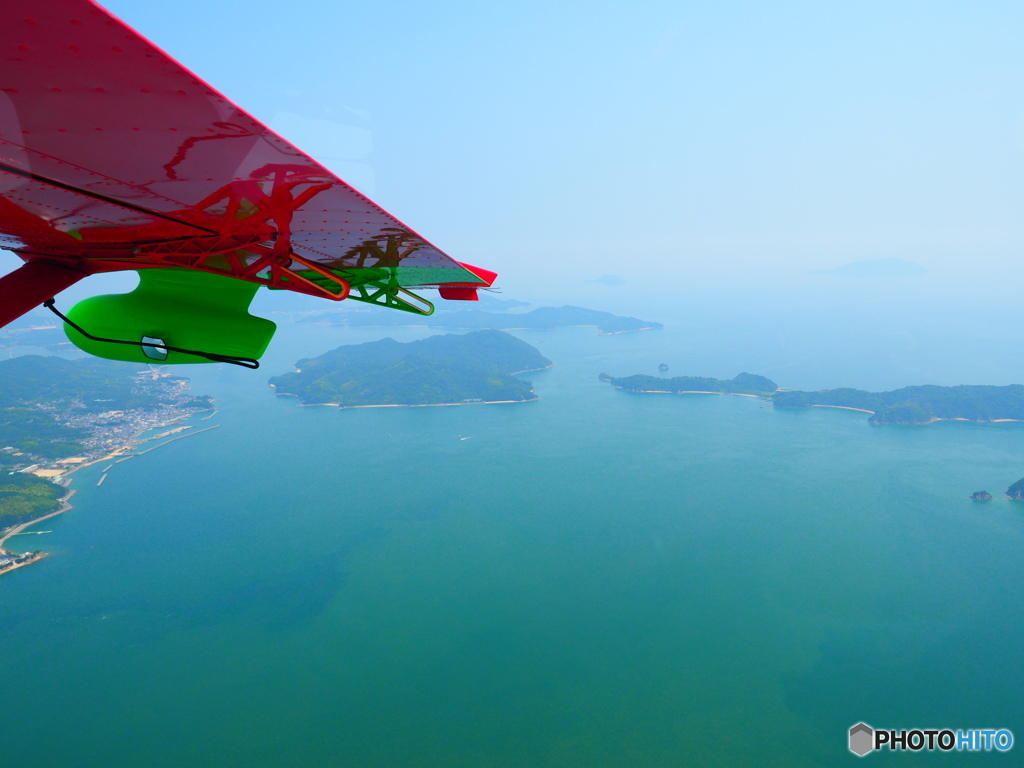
[
  {"x": 918, "y": 405},
  {"x": 742, "y": 384},
  {"x": 542, "y": 318},
  {"x": 439, "y": 370},
  {"x": 909, "y": 405}
]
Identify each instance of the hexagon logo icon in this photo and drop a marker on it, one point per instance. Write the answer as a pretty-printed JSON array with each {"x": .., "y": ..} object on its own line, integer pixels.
[{"x": 862, "y": 739}]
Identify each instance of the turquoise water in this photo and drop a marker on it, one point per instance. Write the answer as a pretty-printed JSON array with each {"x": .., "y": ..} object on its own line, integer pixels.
[{"x": 595, "y": 579}]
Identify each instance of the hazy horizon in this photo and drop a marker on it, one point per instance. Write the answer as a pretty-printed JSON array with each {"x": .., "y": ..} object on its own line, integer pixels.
[{"x": 691, "y": 150}]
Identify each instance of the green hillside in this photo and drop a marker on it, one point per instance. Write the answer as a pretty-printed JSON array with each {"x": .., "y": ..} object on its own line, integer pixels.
[{"x": 440, "y": 369}]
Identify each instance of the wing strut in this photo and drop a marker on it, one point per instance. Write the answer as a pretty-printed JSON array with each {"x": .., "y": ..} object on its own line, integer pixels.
[{"x": 30, "y": 285}]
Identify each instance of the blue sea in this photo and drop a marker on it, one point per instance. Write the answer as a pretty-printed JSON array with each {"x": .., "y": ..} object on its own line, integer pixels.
[{"x": 596, "y": 579}]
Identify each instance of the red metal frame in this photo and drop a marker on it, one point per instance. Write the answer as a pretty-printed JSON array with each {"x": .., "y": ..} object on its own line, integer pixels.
[
  {"x": 254, "y": 244},
  {"x": 30, "y": 285}
]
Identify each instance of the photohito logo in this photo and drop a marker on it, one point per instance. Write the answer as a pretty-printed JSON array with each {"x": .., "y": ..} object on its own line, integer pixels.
[{"x": 864, "y": 739}]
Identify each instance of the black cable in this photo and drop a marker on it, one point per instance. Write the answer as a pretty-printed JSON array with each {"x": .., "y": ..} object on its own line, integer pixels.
[
  {"x": 97, "y": 196},
  {"x": 245, "y": 362}
]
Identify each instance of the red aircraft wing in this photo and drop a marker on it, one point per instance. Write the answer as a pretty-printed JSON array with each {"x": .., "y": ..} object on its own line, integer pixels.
[{"x": 113, "y": 156}]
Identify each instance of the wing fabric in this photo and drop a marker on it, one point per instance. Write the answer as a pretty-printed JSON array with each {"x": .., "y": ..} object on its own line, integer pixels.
[{"x": 113, "y": 156}]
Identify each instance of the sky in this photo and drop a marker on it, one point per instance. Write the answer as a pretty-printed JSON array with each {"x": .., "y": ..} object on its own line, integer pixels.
[{"x": 695, "y": 149}]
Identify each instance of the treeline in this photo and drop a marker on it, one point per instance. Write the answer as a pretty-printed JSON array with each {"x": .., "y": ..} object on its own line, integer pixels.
[
  {"x": 25, "y": 497},
  {"x": 743, "y": 384}
]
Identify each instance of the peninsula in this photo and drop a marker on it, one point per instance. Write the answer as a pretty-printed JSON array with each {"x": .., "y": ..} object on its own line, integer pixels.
[{"x": 454, "y": 369}]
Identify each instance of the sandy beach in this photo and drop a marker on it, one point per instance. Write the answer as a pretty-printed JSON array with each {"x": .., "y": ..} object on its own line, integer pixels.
[
  {"x": 845, "y": 408},
  {"x": 686, "y": 392},
  {"x": 530, "y": 370},
  {"x": 341, "y": 407},
  {"x": 613, "y": 333}
]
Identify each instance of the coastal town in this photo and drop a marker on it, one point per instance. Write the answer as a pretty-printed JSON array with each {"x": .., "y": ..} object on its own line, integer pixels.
[
  {"x": 113, "y": 432},
  {"x": 143, "y": 412}
]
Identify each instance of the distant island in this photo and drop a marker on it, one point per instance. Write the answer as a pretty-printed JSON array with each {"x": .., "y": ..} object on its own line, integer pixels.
[
  {"x": 909, "y": 405},
  {"x": 744, "y": 384},
  {"x": 35, "y": 329},
  {"x": 57, "y": 416},
  {"x": 1015, "y": 493},
  {"x": 453, "y": 369},
  {"x": 542, "y": 318},
  {"x": 918, "y": 405}
]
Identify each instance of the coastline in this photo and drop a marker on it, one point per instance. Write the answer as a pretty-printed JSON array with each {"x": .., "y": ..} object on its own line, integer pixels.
[
  {"x": 16, "y": 529},
  {"x": 932, "y": 420},
  {"x": 531, "y": 370},
  {"x": 815, "y": 405},
  {"x": 973, "y": 421},
  {"x": 117, "y": 454},
  {"x": 613, "y": 333},
  {"x": 34, "y": 557}
]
